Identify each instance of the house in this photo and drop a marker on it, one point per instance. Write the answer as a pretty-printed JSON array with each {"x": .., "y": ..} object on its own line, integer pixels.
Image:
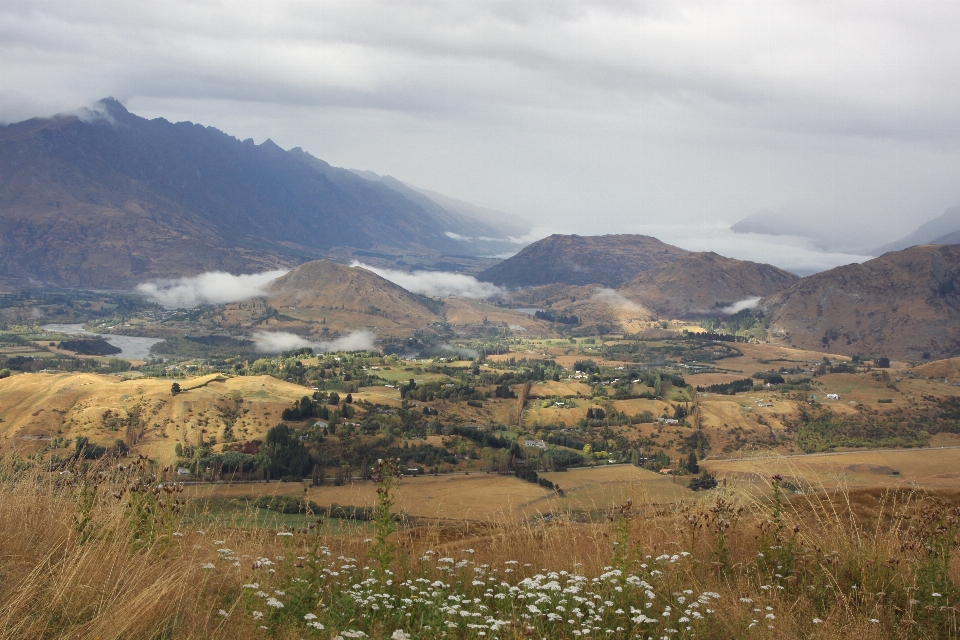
[
  {"x": 668, "y": 421},
  {"x": 538, "y": 444},
  {"x": 666, "y": 472},
  {"x": 183, "y": 471},
  {"x": 833, "y": 396}
]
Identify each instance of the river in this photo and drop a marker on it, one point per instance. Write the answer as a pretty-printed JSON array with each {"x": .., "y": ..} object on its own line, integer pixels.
[{"x": 132, "y": 347}]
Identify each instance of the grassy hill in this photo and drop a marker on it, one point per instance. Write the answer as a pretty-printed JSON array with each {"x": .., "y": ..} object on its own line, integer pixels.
[{"x": 902, "y": 305}]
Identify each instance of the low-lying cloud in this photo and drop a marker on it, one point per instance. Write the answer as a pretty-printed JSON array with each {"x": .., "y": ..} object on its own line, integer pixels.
[
  {"x": 736, "y": 307},
  {"x": 277, "y": 341},
  {"x": 792, "y": 253},
  {"x": 615, "y": 299},
  {"x": 436, "y": 284},
  {"x": 213, "y": 287}
]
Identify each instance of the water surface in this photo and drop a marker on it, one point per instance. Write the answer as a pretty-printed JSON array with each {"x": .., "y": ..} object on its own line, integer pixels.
[{"x": 132, "y": 347}]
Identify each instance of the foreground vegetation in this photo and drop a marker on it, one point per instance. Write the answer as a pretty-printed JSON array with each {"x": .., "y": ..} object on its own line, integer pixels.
[{"x": 99, "y": 551}]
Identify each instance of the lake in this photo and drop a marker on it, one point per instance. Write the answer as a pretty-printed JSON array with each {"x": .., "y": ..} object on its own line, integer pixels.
[{"x": 132, "y": 347}]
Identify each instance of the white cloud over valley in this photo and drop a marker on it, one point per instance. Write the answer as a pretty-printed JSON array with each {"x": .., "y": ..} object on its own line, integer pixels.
[
  {"x": 213, "y": 287},
  {"x": 436, "y": 284},
  {"x": 277, "y": 341}
]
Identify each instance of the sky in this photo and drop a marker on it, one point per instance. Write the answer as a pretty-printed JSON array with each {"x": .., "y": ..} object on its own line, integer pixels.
[{"x": 674, "y": 118}]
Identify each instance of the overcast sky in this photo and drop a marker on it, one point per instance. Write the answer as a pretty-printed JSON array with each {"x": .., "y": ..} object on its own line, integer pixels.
[{"x": 589, "y": 117}]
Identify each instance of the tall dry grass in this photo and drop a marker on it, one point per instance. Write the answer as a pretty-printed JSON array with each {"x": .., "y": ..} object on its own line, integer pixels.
[{"x": 106, "y": 552}]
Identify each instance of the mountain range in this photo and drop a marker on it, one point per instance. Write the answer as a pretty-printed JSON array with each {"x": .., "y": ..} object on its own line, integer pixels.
[
  {"x": 112, "y": 199},
  {"x": 944, "y": 229},
  {"x": 831, "y": 234}
]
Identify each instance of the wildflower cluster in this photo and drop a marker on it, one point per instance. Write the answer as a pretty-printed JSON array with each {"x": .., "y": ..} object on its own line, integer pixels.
[{"x": 455, "y": 597}]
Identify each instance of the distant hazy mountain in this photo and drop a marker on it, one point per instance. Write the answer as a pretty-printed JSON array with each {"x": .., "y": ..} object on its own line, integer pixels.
[
  {"x": 702, "y": 283},
  {"x": 828, "y": 233},
  {"x": 774, "y": 224},
  {"x": 944, "y": 229},
  {"x": 475, "y": 221},
  {"x": 571, "y": 259},
  {"x": 114, "y": 199},
  {"x": 902, "y": 305}
]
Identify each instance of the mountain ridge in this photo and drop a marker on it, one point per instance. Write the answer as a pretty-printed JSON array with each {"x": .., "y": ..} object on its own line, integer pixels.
[
  {"x": 702, "y": 283},
  {"x": 903, "y": 304},
  {"x": 114, "y": 199}
]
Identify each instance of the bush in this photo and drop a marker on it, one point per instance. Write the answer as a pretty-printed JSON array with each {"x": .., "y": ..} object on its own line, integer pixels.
[
  {"x": 4, "y": 373},
  {"x": 704, "y": 482}
]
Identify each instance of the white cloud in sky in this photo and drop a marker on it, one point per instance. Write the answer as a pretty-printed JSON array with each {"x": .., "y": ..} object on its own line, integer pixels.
[
  {"x": 213, "y": 287},
  {"x": 277, "y": 341},
  {"x": 436, "y": 284}
]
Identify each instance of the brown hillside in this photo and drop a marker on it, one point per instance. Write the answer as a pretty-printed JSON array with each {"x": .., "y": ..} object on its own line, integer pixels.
[
  {"x": 607, "y": 260},
  {"x": 320, "y": 288},
  {"x": 37, "y": 408},
  {"x": 902, "y": 305},
  {"x": 701, "y": 282}
]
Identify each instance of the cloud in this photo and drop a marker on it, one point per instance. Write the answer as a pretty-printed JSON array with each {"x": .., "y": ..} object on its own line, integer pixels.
[
  {"x": 614, "y": 299},
  {"x": 213, "y": 287},
  {"x": 277, "y": 341},
  {"x": 800, "y": 255},
  {"x": 747, "y": 303},
  {"x": 436, "y": 284},
  {"x": 574, "y": 114}
]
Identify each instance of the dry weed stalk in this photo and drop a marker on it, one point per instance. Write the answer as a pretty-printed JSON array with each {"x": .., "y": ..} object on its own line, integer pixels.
[{"x": 111, "y": 552}]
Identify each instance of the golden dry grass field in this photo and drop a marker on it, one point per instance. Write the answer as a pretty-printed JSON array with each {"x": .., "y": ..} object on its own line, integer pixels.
[
  {"x": 934, "y": 469},
  {"x": 36, "y": 408},
  {"x": 480, "y": 496}
]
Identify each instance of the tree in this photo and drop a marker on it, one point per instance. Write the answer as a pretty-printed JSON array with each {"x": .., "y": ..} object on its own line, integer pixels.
[
  {"x": 692, "y": 465},
  {"x": 175, "y": 388},
  {"x": 349, "y": 398},
  {"x": 334, "y": 398},
  {"x": 882, "y": 363}
]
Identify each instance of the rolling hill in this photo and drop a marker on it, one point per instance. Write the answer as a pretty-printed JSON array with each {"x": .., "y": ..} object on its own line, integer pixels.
[
  {"x": 903, "y": 305},
  {"x": 324, "y": 291},
  {"x": 607, "y": 260},
  {"x": 702, "y": 283},
  {"x": 114, "y": 199}
]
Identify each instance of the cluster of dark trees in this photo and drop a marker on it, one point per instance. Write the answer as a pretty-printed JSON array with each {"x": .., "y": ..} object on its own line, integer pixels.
[
  {"x": 308, "y": 407},
  {"x": 31, "y": 364},
  {"x": 90, "y": 347},
  {"x": 530, "y": 475},
  {"x": 729, "y": 388},
  {"x": 823, "y": 430},
  {"x": 596, "y": 413},
  {"x": 550, "y": 316}
]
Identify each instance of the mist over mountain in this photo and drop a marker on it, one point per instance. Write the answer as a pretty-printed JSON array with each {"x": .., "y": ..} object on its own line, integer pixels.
[
  {"x": 475, "y": 222},
  {"x": 608, "y": 260},
  {"x": 111, "y": 199},
  {"x": 944, "y": 229},
  {"x": 821, "y": 232}
]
